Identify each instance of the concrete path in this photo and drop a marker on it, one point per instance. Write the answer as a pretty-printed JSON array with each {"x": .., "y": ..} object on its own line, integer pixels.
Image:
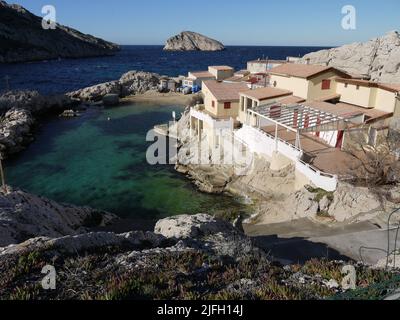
[{"x": 301, "y": 240}]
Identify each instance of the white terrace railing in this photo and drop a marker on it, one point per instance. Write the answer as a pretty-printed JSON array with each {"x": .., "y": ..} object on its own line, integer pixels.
[
  {"x": 263, "y": 143},
  {"x": 198, "y": 113}
]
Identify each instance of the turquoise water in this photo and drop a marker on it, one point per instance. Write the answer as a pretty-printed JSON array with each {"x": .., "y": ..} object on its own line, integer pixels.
[{"x": 92, "y": 161}]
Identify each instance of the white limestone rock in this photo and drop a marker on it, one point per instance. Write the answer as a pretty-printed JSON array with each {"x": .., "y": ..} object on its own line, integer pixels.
[
  {"x": 354, "y": 204},
  {"x": 192, "y": 41},
  {"x": 132, "y": 82},
  {"x": 24, "y": 216},
  {"x": 186, "y": 226},
  {"x": 378, "y": 58}
]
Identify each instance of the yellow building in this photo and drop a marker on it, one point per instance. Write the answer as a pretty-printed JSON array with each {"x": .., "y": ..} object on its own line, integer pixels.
[
  {"x": 197, "y": 78},
  {"x": 221, "y": 72},
  {"x": 220, "y": 110},
  {"x": 371, "y": 95},
  {"x": 310, "y": 82},
  {"x": 256, "y": 97},
  {"x": 221, "y": 99}
]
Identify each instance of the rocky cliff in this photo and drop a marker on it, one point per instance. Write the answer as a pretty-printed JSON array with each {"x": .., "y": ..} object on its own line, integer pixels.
[
  {"x": 19, "y": 111},
  {"x": 378, "y": 59},
  {"x": 192, "y": 41},
  {"x": 24, "y": 216},
  {"x": 22, "y": 38}
]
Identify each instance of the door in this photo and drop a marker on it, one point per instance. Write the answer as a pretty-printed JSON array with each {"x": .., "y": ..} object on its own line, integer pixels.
[
  {"x": 318, "y": 134},
  {"x": 339, "y": 142}
]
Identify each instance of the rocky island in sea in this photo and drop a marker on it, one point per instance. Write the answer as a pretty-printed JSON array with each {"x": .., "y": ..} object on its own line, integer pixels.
[
  {"x": 192, "y": 41},
  {"x": 23, "y": 39}
]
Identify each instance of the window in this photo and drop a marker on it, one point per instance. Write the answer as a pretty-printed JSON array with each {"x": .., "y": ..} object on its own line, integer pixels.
[
  {"x": 275, "y": 84},
  {"x": 358, "y": 87},
  {"x": 227, "y": 105},
  {"x": 326, "y": 84},
  {"x": 213, "y": 104},
  {"x": 346, "y": 85}
]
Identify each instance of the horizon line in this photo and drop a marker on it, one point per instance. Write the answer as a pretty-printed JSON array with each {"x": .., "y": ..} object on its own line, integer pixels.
[{"x": 240, "y": 45}]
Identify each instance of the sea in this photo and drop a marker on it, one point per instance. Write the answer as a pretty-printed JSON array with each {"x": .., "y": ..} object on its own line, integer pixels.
[{"x": 99, "y": 159}]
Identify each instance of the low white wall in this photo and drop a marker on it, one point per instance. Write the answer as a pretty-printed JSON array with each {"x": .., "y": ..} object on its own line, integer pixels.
[
  {"x": 320, "y": 179},
  {"x": 214, "y": 123},
  {"x": 263, "y": 144}
]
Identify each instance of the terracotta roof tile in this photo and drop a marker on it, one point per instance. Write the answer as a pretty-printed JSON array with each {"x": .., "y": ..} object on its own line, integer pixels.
[
  {"x": 266, "y": 93},
  {"x": 202, "y": 74},
  {"x": 225, "y": 91},
  {"x": 302, "y": 70}
]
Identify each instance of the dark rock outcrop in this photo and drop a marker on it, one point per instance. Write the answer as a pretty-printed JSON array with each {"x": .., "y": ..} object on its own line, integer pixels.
[
  {"x": 22, "y": 39},
  {"x": 192, "y": 41}
]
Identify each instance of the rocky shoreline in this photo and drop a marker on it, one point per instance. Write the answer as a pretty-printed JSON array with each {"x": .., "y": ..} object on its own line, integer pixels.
[
  {"x": 21, "y": 111},
  {"x": 186, "y": 257}
]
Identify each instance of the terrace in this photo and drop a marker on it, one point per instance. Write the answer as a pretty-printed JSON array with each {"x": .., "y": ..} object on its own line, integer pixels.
[{"x": 318, "y": 134}]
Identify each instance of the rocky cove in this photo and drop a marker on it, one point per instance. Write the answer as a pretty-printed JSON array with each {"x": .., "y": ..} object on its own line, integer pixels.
[{"x": 35, "y": 230}]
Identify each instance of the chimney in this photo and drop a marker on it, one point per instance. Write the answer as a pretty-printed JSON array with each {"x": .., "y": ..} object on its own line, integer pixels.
[{"x": 308, "y": 61}]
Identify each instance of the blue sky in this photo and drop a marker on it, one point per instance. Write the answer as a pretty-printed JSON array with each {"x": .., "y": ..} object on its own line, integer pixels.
[{"x": 234, "y": 22}]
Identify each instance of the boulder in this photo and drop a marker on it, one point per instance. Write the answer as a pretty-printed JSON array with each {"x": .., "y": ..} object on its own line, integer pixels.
[
  {"x": 97, "y": 92},
  {"x": 15, "y": 129},
  {"x": 111, "y": 100},
  {"x": 186, "y": 226}
]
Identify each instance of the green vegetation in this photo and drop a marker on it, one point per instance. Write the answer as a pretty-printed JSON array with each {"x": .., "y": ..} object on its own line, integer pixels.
[
  {"x": 320, "y": 194},
  {"x": 113, "y": 274}
]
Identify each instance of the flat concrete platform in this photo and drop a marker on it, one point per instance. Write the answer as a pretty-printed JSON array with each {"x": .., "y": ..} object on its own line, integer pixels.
[{"x": 301, "y": 240}]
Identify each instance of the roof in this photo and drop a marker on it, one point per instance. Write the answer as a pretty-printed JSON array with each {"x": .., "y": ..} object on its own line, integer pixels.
[
  {"x": 202, "y": 74},
  {"x": 268, "y": 61},
  {"x": 221, "y": 68},
  {"x": 346, "y": 110},
  {"x": 223, "y": 91},
  {"x": 236, "y": 79},
  {"x": 303, "y": 70},
  {"x": 242, "y": 72},
  {"x": 370, "y": 84},
  {"x": 291, "y": 100},
  {"x": 333, "y": 96},
  {"x": 266, "y": 93},
  {"x": 373, "y": 114}
]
